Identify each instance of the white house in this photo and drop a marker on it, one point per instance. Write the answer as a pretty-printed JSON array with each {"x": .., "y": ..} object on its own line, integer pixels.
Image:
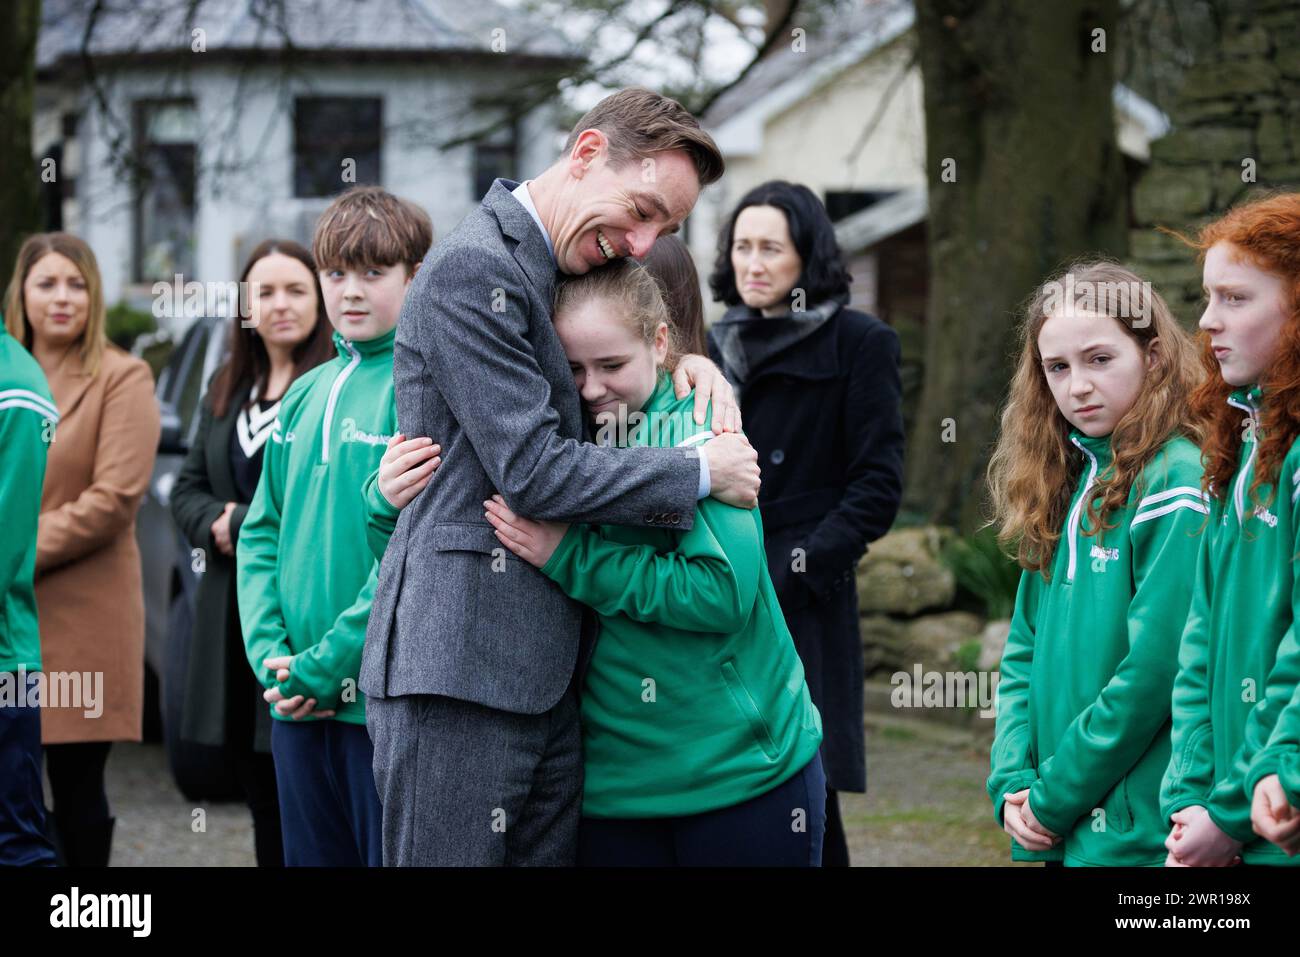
[
  {"x": 842, "y": 111},
  {"x": 244, "y": 125}
]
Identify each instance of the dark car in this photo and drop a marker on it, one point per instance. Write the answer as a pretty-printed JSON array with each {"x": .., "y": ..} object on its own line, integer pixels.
[{"x": 170, "y": 579}]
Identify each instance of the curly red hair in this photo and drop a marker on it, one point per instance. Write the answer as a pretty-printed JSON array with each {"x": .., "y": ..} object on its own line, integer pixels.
[{"x": 1267, "y": 234}]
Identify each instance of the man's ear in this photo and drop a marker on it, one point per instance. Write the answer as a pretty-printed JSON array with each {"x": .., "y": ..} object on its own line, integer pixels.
[
  {"x": 411, "y": 274},
  {"x": 589, "y": 146}
]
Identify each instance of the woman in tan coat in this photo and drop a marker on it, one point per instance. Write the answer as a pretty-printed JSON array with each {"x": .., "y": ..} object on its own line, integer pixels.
[{"x": 89, "y": 595}]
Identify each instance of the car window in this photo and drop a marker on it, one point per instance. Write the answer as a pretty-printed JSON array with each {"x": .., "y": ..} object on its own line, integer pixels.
[{"x": 191, "y": 389}]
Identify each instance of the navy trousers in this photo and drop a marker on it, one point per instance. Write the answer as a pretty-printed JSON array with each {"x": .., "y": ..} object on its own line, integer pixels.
[
  {"x": 23, "y": 839},
  {"x": 782, "y": 828},
  {"x": 329, "y": 810}
]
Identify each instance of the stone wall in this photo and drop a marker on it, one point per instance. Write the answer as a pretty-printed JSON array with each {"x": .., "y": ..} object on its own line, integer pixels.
[
  {"x": 906, "y": 597},
  {"x": 1236, "y": 131}
]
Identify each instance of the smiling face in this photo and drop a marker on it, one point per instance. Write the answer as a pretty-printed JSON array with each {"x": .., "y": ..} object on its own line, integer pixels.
[
  {"x": 612, "y": 364},
  {"x": 764, "y": 258},
  {"x": 364, "y": 303},
  {"x": 1094, "y": 368},
  {"x": 56, "y": 298},
  {"x": 283, "y": 301},
  {"x": 602, "y": 213},
  {"x": 1244, "y": 313}
]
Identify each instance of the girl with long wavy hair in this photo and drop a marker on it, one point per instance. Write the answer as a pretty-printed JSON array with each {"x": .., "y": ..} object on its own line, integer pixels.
[
  {"x": 1096, "y": 482},
  {"x": 1239, "y": 663}
]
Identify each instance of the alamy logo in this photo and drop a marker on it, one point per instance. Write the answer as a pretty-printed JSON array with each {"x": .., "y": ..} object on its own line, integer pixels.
[
  {"x": 133, "y": 911},
  {"x": 352, "y": 434}
]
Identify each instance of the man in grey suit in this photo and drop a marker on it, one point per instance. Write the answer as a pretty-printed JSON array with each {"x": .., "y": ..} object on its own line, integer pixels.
[{"x": 472, "y": 656}]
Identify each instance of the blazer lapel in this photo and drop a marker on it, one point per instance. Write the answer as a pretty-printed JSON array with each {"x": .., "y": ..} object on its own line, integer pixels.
[
  {"x": 68, "y": 384},
  {"x": 530, "y": 249}
]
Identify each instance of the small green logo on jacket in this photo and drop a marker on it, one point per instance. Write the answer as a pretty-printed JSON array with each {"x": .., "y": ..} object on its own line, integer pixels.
[
  {"x": 1100, "y": 556},
  {"x": 352, "y": 434}
]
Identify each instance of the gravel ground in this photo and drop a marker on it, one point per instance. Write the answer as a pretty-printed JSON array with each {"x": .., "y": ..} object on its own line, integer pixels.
[
  {"x": 157, "y": 826},
  {"x": 925, "y": 806}
]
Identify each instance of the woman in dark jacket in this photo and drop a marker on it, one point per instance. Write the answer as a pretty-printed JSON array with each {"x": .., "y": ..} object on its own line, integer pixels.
[
  {"x": 819, "y": 394},
  {"x": 286, "y": 334}
]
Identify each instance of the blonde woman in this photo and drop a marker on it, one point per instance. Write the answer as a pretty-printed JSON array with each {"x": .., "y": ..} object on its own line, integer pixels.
[{"x": 88, "y": 586}]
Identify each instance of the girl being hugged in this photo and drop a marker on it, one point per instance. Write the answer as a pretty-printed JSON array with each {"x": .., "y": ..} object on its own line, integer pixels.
[
  {"x": 700, "y": 737},
  {"x": 1239, "y": 663},
  {"x": 1096, "y": 478}
]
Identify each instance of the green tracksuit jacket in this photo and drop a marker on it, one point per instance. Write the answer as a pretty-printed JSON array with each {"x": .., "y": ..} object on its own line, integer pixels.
[
  {"x": 695, "y": 697},
  {"x": 1229, "y": 693},
  {"x": 27, "y": 421},
  {"x": 1083, "y": 698},
  {"x": 306, "y": 575}
]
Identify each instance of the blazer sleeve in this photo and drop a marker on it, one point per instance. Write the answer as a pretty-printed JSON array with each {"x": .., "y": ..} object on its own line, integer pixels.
[
  {"x": 124, "y": 455},
  {"x": 873, "y": 436},
  {"x": 193, "y": 505},
  {"x": 469, "y": 320}
]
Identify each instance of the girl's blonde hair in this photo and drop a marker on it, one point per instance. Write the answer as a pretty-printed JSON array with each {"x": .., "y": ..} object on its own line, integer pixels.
[
  {"x": 632, "y": 290},
  {"x": 93, "y": 338},
  {"x": 1034, "y": 468}
]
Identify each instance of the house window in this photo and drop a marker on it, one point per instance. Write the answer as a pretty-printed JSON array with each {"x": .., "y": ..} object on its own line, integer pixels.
[
  {"x": 163, "y": 241},
  {"x": 494, "y": 157},
  {"x": 844, "y": 202},
  {"x": 336, "y": 143}
]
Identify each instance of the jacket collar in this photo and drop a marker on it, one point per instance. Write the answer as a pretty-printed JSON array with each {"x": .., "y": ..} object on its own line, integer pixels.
[
  {"x": 817, "y": 356},
  {"x": 1098, "y": 447},
  {"x": 530, "y": 250},
  {"x": 367, "y": 347},
  {"x": 1247, "y": 398},
  {"x": 663, "y": 397}
]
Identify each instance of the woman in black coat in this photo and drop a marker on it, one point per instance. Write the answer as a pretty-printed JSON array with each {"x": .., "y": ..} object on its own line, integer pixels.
[
  {"x": 288, "y": 333},
  {"x": 819, "y": 394}
]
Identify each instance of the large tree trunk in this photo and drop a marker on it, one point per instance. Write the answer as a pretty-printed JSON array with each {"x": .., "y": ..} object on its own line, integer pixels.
[
  {"x": 1018, "y": 109},
  {"x": 20, "y": 211}
]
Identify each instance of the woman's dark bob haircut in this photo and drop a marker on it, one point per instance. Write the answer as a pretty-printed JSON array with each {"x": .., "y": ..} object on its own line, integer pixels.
[{"x": 823, "y": 275}]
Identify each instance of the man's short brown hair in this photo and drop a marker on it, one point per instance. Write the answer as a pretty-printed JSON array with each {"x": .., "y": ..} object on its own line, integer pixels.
[
  {"x": 638, "y": 122},
  {"x": 369, "y": 226}
]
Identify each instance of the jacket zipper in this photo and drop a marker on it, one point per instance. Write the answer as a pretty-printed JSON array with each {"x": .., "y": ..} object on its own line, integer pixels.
[
  {"x": 1073, "y": 528},
  {"x": 1239, "y": 493},
  {"x": 334, "y": 397}
]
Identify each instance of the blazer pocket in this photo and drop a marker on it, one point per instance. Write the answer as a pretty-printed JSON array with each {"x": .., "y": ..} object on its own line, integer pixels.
[
  {"x": 748, "y": 708},
  {"x": 468, "y": 537}
]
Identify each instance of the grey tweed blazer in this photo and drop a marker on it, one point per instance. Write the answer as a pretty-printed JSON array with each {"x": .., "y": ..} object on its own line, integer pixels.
[{"x": 477, "y": 365}]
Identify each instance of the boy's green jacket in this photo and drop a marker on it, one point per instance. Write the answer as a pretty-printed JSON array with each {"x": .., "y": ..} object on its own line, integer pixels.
[
  {"x": 1084, "y": 694},
  {"x": 695, "y": 697},
  {"x": 27, "y": 420},
  {"x": 1229, "y": 693},
  {"x": 306, "y": 574}
]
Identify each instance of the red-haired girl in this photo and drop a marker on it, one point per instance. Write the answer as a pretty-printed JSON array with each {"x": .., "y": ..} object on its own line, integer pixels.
[{"x": 1229, "y": 691}]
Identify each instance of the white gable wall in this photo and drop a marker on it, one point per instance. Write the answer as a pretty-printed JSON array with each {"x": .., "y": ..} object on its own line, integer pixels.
[{"x": 245, "y": 192}]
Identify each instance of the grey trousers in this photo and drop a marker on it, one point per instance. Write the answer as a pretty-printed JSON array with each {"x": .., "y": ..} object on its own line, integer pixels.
[{"x": 467, "y": 785}]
